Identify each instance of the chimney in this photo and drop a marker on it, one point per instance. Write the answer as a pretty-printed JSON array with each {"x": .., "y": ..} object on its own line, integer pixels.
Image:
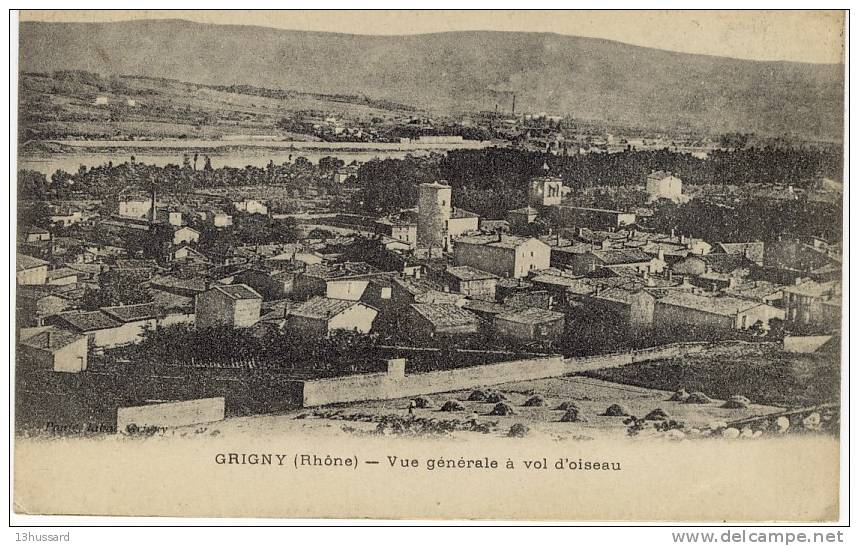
[
  {"x": 153, "y": 212},
  {"x": 797, "y": 280},
  {"x": 581, "y": 232},
  {"x": 672, "y": 233},
  {"x": 733, "y": 282},
  {"x": 670, "y": 276},
  {"x": 48, "y": 333},
  {"x": 660, "y": 255}
]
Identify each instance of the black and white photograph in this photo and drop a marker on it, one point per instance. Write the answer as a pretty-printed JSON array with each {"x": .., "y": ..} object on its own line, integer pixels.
[{"x": 444, "y": 265}]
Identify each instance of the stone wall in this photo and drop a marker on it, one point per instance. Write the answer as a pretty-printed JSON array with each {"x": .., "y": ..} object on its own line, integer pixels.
[{"x": 170, "y": 414}]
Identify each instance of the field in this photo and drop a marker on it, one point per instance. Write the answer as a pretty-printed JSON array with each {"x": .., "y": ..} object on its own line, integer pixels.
[
  {"x": 592, "y": 397},
  {"x": 769, "y": 377}
]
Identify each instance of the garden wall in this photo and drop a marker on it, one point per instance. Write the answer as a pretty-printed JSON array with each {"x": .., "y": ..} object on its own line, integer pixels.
[
  {"x": 394, "y": 384},
  {"x": 170, "y": 414}
]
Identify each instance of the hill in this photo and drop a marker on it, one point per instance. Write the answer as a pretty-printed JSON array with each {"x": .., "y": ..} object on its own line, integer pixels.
[{"x": 582, "y": 77}]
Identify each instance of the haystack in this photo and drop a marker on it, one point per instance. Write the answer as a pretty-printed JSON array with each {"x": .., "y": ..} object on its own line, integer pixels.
[
  {"x": 518, "y": 430},
  {"x": 535, "y": 401},
  {"x": 679, "y": 396},
  {"x": 494, "y": 397},
  {"x": 656, "y": 415},
  {"x": 569, "y": 404},
  {"x": 570, "y": 416},
  {"x": 502, "y": 409},
  {"x": 422, "y": 402},
  {"x": 616, "y": 410},
  {"x": 698, "y": 397},
  {"x": 478, "y": 395},
  {"x": 452, "y": 405},
  {"x": 736, "y": 402}
]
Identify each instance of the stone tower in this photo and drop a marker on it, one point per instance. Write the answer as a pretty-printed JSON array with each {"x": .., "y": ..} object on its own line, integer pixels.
[
  {"x": 545, "y": 191},
  {"x": 434, "y": 210}
]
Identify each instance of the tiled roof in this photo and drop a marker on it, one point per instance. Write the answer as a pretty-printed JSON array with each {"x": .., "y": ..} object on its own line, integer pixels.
[
  {"x": 621, "y": 256},
  {"x": 88, "y": 321},
  {"x": 321, "y": 307},
  {"x": 131, "y": 313},
  {"x": 504, "y": 241},
  {"x": 468, "y": 273},
  {"x": 530, "y": 315},
  {"x": 52, "y": 339},
  {"x": 23, "y": 261},
  {"x": 237, "y": 291},
  {"x": 62, "y": 272},
  {"x": 444, "y": 315},
  {"x": 718, "y": 305},
  {"x": 813, "y": 288},
  {"x": 462, "y": 213},
  {"x": 488, "y": 307}
]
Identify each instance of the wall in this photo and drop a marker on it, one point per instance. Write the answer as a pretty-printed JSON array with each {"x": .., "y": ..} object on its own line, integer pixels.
[
  {"x": 381, "y": 386},
  {"x": 804, "y": 344},
  {"x": 358, "y": 318},
  {"x": 34, "y": 275},
  {"x": 246, "y": 312},
  {"x": 212, "y": 309},
  {"x": 500, "y": 261},
  {"x": 171, "y": 414}
]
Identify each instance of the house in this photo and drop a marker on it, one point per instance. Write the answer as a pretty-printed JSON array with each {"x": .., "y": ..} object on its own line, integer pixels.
[
  {"x": 233, "y": 306},
  {"x": 629, "y": 258},
  {"x": 220, "y": 219},
  {"x": 762, "y": 291},
  {"x": 784, "y": 260},
  {"x": 251, "y": 206},
  {"x": 809, "y": 303},
  {"x": 272, "y": 283},
  {"x": 30, "y": 270},
  {"x": 185, "y": 235},
  {"x": 401, "y": 230},
  {"x": 432, "y": 319},
  {"x": 111, "y": 327},
  {"x": 135, "y": 208},
  {"x": 471, "y": 282},
  {"x": 66, "y": 217},
  {"x": 520, "y": 220},
  {"x": 663, "y": 185},
  {"x": 34, "y": 303},
  {"x": 714, "y": 271},
  {"x": 33, "y": 234},
  {"x": 503, "y": 255},
  {"x": 752, "y": 250},
  {"x": 462, "y": 221},
  {"x": 529, "y": 324},
  {"x": 62, "y": 276},
  {"x": 314, "y": 279},
  {"x": 686, "y": 309},
  {"x": 187, "y": 254},
  {"x": 320, "y": 316},
  {"x": 54, "y": 349},
  {"x": 594, "y": 217}
]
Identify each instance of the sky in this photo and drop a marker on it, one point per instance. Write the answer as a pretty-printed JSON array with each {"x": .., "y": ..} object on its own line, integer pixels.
[{"x": 801, "y": 36}]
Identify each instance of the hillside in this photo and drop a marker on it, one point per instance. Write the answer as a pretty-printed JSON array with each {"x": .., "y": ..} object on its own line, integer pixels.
[{"x": 583, "y": 77}]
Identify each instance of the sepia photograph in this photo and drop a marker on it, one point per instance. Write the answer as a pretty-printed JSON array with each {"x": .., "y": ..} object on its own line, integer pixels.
[{"x": 430, "y": 265}]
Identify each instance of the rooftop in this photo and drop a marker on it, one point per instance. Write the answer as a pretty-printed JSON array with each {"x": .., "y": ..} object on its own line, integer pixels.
[
  {"x": 531, "y": 315},
  {"x": 321, "y": 307},
  {"x": 237, "y": 291},
  {"x": 444, "y": 315},
  {"x": 717, "y": 305},
  {"x": 52, "y": 339},
  {"x": 131, "y": 313},
  {"x": 813, "y": 288},
  {"x": 468, "y": 273},
  {"x": 621, "y": 256},
  {"x": 503, "y": 241},
  {"x": 23, "y": 261},
  {"x": 88, "y": 321}
]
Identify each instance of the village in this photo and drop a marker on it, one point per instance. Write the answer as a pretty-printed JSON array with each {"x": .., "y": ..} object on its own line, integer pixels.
[{"x": 174, "y": 295}]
